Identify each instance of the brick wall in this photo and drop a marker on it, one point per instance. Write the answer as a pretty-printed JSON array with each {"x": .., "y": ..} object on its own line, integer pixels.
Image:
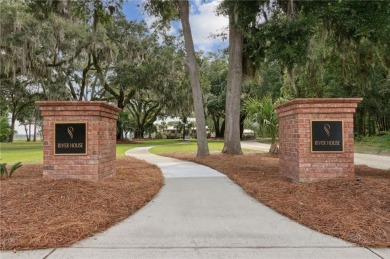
[
  {"x": 296, "y": 160},
  {"x": 100, "y": 118}
]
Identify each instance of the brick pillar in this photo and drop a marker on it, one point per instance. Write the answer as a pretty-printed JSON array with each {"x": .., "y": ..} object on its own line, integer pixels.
[
  {"x": 305, "y": 159},
  {"x": 98, "y": 121}
]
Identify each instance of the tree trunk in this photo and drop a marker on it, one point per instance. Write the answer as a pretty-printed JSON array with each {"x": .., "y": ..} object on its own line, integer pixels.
[
  {"x": 242, "y": 120},
  {"x": 139, "y": 133},
  {"x": 291, "y": 78},
  {"x": 290, "y": 70},
  {"x": 11, "y": 134},
  {"x": 119, "y": 134},
  {"x": 232, "y": 143},
  {"x": 120, "y": 105},
  {"x": 27, "y": 134},
  {"x": 35, "y": 125},
  {"x": 29, "y": 130},
  {"x": 216, "y": 126},
  {"x": 192, "y": 66},
  {"x": 222, "y": 130},
  {"x": 360, "y": 125},
  {"x": 274, "y": 149},
  {"x": 84, "y": 79},
  {"x": 119, "y": 130}
]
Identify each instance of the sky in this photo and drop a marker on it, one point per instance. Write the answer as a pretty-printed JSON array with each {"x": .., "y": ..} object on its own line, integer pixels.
[{"x": 203, "y": 20}]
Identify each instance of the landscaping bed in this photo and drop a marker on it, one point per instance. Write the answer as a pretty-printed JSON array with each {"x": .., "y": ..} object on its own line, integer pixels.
[
  {"x": 38, "y": 213},
  {"x": 355, "y": 210}
]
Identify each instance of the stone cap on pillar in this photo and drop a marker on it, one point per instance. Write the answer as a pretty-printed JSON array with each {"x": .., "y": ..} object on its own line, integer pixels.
[
  {"x": 101, "y": 108},
  {"x": 317, "y": 105}
]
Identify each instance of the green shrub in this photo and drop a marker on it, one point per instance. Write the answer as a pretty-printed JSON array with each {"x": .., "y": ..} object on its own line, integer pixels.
[
  {"x": 4, "y": 170},
  {"x": 160, "y": 135},
  {"x": 5, "y": 129},
  {"x": 383, "y": 133}
]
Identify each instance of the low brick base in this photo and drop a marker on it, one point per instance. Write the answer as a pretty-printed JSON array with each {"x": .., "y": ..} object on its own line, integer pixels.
[
  {"x": 99, "y": 161},
  {"x": 296, "y": 160}
]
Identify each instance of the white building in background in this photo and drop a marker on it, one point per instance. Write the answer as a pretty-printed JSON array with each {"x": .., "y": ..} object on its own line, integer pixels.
[
  {"x": 173, "y": 133},
  {"x": 248, "y": 133}
]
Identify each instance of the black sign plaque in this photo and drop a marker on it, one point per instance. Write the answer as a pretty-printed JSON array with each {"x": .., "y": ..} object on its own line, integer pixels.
[
  {"x": 70, "y": 138},
  {"x": 327, "y": 136}
]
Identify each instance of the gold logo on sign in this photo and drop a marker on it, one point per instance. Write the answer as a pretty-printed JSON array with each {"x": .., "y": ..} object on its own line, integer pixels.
[
  {"x": 327, "y": 129},
  {"x": 70, "y": 131}
]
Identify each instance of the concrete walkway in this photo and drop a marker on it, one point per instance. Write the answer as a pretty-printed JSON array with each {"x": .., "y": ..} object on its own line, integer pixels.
[
  {"x": 374, "y": 161},
  {"x": 200, "y": 213}
]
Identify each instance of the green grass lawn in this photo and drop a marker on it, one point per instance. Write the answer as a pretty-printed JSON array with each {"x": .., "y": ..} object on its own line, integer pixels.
[
  {"x": 186, "y": 146},
  {"x": 121, "y": 148},
  {"x": 162, "y": 146},
  {"x": 30, "y": 152},
  {"x": 25, "y": 152},
  {"x": 373, "y": 145}
]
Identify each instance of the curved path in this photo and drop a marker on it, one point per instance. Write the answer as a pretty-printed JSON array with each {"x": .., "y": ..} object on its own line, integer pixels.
[{"x": 200, "y": 213}]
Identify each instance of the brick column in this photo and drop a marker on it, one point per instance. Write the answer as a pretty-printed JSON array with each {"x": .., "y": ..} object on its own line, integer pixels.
[
  {"x": 297, "y": 160},
  {"x": 98, "y": 161}
]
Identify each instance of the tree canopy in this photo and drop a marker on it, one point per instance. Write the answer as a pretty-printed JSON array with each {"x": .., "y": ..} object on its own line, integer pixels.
[{"x": 87, "y": 50}]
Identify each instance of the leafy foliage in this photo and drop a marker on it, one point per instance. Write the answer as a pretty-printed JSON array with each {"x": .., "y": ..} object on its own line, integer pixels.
[
  {"x": 87, "y": 50},
  {"x": 5, "y": 129},
  {"x": 328, "y": 49},
  {"x": 262, "y": 114},
  {"x": 4, "y": 170}
]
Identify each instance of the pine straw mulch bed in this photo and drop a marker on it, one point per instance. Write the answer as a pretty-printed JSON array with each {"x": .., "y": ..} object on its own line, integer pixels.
[
  {"x": 38, "y": 213},
  {"x": 355, "y": 210}
]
